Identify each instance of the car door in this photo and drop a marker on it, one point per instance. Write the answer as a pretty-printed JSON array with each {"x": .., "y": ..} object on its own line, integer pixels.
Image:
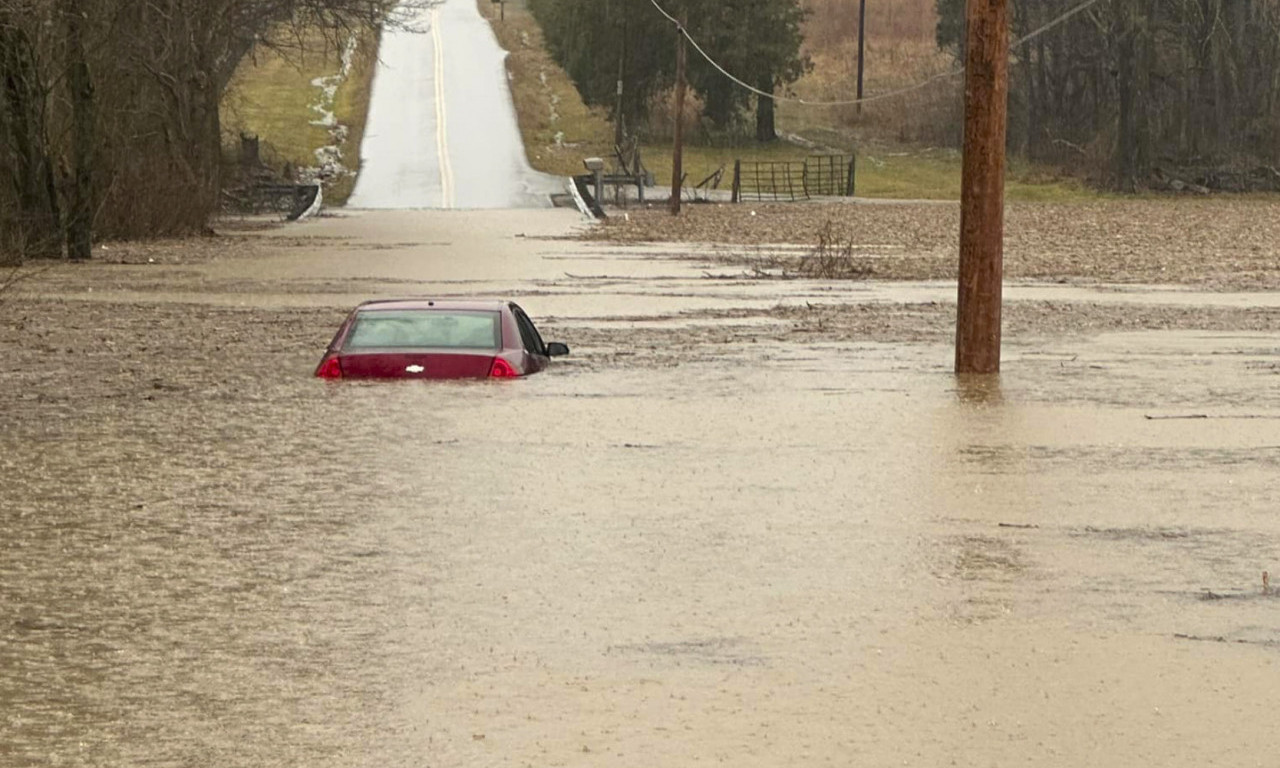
[{"x": 535, "y": 350}]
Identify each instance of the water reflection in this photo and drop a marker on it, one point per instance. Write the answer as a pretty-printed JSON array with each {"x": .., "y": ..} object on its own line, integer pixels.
[{"x": 979, "y": 389}]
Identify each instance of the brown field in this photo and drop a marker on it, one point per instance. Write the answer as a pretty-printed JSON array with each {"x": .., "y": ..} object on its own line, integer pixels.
[
  {"x": 900, "y": 52},
  {"x": 832, "y": 22}
]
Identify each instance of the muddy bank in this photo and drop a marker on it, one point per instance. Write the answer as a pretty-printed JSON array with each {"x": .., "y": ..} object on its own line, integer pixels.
[{"x": 1027, "y": 324}]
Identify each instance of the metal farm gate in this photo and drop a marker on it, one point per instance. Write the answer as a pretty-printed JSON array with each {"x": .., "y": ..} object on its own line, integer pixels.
[
  {"x": 788, "y": 181},
  {"x": 772, "y": 181},
  {"x": 829, "y": 175}
]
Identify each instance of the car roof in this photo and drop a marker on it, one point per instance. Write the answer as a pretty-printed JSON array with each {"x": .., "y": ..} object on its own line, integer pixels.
[{"x": 472, "y": 305}]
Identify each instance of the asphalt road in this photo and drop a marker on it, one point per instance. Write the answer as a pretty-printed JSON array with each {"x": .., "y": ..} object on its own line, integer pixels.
[{"x": 442, "y": 130}]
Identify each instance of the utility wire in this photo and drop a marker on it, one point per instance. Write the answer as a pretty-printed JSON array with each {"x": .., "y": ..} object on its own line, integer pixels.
[{"x": 890, "y": 94}]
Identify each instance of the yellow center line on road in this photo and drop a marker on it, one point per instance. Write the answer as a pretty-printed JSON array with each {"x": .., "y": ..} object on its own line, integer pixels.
[{"x": 442, "y": 130}]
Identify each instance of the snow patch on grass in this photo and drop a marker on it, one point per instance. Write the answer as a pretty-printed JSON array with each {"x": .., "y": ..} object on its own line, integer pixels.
[{"x": 329, "y": 159}]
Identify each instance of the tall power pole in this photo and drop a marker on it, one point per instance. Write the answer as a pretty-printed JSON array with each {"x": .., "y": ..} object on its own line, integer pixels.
[
  {"x": 986, "y": 94},
  {"x": 862, "y": 41},
  {"x": 677, "y": 151}
]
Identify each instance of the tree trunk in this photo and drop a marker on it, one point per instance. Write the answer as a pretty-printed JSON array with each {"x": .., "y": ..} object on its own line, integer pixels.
[
  {"x": 1146, "y": 63},
  {"x": 1031, "y": 128},
  {"x": 677, "y": 149},
  {"x": 1130, "y": 78},
  {"x": 765, "y": 129},
  {"x": 1042, "y": 104},
  {"x": 79, "y": 227},
  {"x": 21, "y": 118},
  {"x": 209, "y": 136}
]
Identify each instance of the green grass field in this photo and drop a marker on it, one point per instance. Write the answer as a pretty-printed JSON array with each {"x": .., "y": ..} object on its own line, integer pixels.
[
  {"x": 272, "y": 97},
  {"x": 935, "y": 175}
]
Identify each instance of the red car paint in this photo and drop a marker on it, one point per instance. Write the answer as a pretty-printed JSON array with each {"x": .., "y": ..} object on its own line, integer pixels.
[{"x": 513, "y": 353}]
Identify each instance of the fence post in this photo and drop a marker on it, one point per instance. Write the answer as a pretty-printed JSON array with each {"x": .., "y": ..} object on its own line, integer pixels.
[
  {"x": 848, "y": 184},
  {"x": 677, "y": 150},
  {"x": 737, "y": 181}
]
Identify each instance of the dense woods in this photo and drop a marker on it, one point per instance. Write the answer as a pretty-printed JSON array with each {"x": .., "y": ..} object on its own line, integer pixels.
[
  {"x": 109, "y": 110},
  {"x": 1142, "y": 91}
]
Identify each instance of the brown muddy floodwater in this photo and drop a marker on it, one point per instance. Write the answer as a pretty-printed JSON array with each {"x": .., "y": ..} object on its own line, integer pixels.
[{"x": 686, "y": 551}]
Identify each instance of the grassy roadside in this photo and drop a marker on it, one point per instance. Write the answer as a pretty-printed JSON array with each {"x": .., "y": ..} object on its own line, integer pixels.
[
  {"x": 933, "y": 174},
  {"x": 558, "y": 129},
  {"x": 273, "y": 96}
]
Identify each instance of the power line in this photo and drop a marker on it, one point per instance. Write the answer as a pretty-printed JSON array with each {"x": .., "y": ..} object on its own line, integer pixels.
[{"x": 880, "y": 96}]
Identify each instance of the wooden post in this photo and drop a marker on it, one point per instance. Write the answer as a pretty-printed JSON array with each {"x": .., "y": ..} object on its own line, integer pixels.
[
  {"x": 677, "y": 159},
  {"x": 641, "y": 177},
  {"x": 986, "y": 92},
  {"x": 737, "y": 181},
  {"x": 862, "y": 39}
]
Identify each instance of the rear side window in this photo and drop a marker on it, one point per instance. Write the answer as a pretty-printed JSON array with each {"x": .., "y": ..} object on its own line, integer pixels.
[
  {"x": 528, "y": 334},
  {"x": 424, "y": 328}
]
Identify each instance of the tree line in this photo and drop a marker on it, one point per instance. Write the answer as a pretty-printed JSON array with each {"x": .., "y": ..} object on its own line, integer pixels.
[
  {"x": 110, "y": 110},
  {"x": 621, "y": 54},
  {"x": 1140, "y": 90},
  {"x": 1133, "y": 92}
]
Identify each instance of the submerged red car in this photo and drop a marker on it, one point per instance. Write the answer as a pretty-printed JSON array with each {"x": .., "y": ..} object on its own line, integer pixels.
[{"x": 436, "y": 339}]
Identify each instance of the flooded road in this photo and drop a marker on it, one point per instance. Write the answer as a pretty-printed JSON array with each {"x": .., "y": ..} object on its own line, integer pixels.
[{"x": 715, "y": 541}]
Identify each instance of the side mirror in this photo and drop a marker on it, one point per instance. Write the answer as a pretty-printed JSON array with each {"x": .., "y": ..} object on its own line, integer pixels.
[{"x": 556, "y": 349}]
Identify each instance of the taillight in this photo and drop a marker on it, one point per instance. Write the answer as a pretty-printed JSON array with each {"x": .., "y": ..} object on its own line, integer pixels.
[
  {"x": 501, "y": 369},
  {"x": 329, "y": 368}
]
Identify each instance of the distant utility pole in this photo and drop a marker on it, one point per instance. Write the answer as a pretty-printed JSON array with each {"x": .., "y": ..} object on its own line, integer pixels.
[
  {"x": 677, "y": 160},
  {"x": 618, "y": 127},
  {"x": 862, "y": 39},
  {"x": 986, "y": 95}
]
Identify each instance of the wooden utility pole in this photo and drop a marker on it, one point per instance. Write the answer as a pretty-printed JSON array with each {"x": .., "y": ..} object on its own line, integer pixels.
[
  {"x": 862, "y": 40},
  {"x": 986, "y": 95},
  {"x": 677, "y": 159}
]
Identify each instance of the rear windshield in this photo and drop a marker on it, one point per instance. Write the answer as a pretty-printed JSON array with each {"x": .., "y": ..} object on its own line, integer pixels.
[{"x": 424, "y": 328}]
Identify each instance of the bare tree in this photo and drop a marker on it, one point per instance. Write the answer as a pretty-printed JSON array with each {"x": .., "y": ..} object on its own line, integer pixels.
[
  {"x": 110, "y": 118},
  {"x": 80, "y": 192},
  {"x": 1137, "y": 86}
]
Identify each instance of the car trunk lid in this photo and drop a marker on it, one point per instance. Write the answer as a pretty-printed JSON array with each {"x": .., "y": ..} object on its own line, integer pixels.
[{"x": 409, "y": 364}]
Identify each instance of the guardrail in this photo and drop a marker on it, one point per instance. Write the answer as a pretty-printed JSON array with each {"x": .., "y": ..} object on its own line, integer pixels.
[{"x": 293, "y": 201}]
